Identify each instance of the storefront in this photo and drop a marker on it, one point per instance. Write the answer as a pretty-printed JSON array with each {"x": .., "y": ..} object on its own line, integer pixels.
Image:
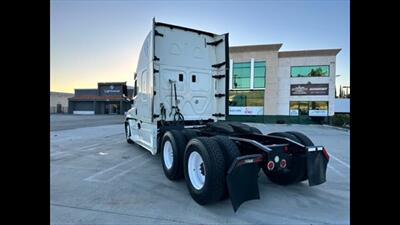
[
  {"x": 108, "y": 98},
  {"x": 267, "y": 85}
]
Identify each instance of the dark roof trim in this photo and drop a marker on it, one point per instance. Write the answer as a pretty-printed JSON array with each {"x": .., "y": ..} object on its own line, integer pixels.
[
  {"x": 252, "y": 48},
  {"x": 184, "y": 28},
  {"x": 308, "y": 53},
  {"x": 96, "y": 98},
  {"x": 62, "y": 93},
  {"x": 124, "y": 82}
]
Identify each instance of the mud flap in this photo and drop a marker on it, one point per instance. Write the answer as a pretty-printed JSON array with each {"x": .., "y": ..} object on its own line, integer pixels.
[
  {"x": 316, "y": 167},
  {"x": 242, "y": 181}
]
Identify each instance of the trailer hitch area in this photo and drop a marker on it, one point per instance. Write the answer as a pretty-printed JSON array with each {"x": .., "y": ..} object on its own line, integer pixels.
[
  {"x": 242, "y": 179},
  {"x": 317, "y": 161}
]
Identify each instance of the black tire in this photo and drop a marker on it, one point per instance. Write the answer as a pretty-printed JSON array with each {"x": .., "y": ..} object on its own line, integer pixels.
[
  {"x": 128, "y": 133},
  {"x": 303, "y": 138},
  {"x": 231, "y": 152},
  {"x": 305, "y": 141},
  {"x": 189, "y": 134},
  {"x": 255, "y": 130},
  {"x": 286, "y": 135},
  {"x": 214, "y": 167},
  {"x": 297, "y": 166},
  {"x": 178, "y": 143}
]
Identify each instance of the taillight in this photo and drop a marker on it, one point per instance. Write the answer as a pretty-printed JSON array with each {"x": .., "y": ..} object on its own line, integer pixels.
[
  {"x": 282, "y": 164},
  {"x": 325, "y": 152},
  {"x": 270, "y": 165}
]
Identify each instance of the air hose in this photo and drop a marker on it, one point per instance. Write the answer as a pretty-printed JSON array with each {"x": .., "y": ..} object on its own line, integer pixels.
[{"x": 177, "y": 115}]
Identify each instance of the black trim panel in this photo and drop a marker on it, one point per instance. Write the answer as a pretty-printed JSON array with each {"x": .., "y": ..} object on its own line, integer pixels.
[
  {"x": 227, "y": 74},
  {"x": 184, "y": 28}
]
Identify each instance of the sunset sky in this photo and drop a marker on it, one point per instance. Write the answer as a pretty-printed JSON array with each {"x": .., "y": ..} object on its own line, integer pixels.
[{"x": 99, "y": 41}]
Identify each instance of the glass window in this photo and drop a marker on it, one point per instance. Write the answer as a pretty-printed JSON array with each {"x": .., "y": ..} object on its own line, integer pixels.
[
  {"x": 259, "y": 74},
  {"x": 294, "y": 108},
  {"x": 241, "y": 75},
  {"x": 303, "y": 108},
  {"x": 319, "y": 106},
  {"x": 246, "y": 98},
  {"x": 309, "y": 71}
]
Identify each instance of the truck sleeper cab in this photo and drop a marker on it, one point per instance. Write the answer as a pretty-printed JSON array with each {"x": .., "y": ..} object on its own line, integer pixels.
[{"x": 179, "y": 109}]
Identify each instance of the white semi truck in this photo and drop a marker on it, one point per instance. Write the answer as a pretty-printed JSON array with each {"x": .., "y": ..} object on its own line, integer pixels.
[{"x": 179, "y": 108}]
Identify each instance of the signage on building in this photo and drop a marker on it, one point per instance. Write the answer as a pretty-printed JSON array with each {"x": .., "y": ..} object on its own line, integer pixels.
[
  {"x": 111, "y": 90},
  {"x": 246, "y": 110},
  {"x": 313, "y": 112},
  {"x": 294, "y": 112},
  {"x": 309, "y": 89}
]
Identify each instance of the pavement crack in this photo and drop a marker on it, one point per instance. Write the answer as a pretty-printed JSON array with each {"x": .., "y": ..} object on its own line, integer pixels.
[{"x": 122, "y": 214}]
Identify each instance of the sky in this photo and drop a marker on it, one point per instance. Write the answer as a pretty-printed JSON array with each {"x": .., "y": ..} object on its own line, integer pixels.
[{"x": 100, "y": 41}]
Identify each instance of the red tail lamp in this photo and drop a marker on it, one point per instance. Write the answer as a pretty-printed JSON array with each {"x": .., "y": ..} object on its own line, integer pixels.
[
  {"x": 282, "y": 164},
  {"x": 270, "y": 165}
]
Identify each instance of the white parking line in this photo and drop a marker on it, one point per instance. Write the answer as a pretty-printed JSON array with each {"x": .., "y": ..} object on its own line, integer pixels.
[
  {"x": 57, "y": 153},
  {"x": 90, "y": 146},
  {"x": 336, "y": 171},
  {"x": 126, "y": 171},
  {"x": 92, "y": 177},
  {"x": 340, "y": 161}
]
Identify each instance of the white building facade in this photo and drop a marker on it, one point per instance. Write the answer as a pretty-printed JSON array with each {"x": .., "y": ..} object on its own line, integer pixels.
[{"x": 267, "y": 85}]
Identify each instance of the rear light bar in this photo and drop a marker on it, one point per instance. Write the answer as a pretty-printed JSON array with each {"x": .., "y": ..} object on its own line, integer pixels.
[
  {"x": 319, "y": 148},
  {"x": 315, "y": 148},
  {"x": 250, "y": 160}
]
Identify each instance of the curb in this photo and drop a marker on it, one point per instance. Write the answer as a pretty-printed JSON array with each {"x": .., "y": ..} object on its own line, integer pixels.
[{"x": 338, "y": 128}]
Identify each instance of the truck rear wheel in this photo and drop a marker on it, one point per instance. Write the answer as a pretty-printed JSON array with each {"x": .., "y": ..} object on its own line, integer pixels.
[
  {"x": 305, "y": 141},
  {"x": 189, "y": 134},
  {"x": 297, "y": 166},
  {"x": 255, "y": 130},
  {"x": 230, "y": 152},
  {"x": 172, "y": 149},
  {"x": 302, "y": 138},
  {"x": 204, "y": 169}
]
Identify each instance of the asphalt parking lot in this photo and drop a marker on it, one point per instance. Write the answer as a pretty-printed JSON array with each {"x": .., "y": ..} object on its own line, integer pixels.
[{"x": 98, "y": 178}]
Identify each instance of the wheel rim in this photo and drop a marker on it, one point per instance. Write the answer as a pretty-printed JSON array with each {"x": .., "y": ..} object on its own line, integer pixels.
[
  {"x": 168, "y": 155},
  {"x": 196, "y": 170}
]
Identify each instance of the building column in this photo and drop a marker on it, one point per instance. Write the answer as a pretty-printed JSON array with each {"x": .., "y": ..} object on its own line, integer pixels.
[
  {"x": 252, "y": 73},
  {"x": 94, "y": 107},
  {"x": 120, "y": 108},
  {"x": 230, "y": 73}
]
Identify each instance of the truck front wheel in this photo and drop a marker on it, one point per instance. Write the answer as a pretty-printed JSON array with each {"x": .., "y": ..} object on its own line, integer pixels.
[
  {"x": 128, "y": 133},
  {"x": 204, "y": 170}
]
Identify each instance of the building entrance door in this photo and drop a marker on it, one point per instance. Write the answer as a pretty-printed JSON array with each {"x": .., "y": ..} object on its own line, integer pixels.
[
  {"x": 59, "y": 108},
  {"x": 110, "y": 108}
]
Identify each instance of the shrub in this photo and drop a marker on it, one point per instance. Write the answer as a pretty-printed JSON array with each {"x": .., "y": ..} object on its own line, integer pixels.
[{"x": 341, "y": 120}]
